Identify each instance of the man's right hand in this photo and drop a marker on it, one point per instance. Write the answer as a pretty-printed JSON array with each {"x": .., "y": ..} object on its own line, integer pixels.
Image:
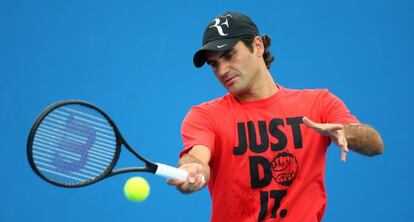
[
  {"x": 196, "y": 178},
  {"x": 196, "y": 163}
]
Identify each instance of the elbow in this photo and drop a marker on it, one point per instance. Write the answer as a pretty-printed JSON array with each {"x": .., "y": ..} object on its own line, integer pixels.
[
  {"x": 377, "y": 149},
  {"x": 380, "y": 146},
  {"x": 380, "y": 149},
  {"x": 365, "y": 140},
  {"x": 377, "y": 144},
  {"x": 374, "y": 148}
]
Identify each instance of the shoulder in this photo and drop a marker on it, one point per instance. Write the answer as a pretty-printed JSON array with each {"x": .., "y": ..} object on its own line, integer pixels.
[
  {"x": 214, "y": 105},
  {"x": 305, "y": 93},
  {"x": 209, "y": 111}
]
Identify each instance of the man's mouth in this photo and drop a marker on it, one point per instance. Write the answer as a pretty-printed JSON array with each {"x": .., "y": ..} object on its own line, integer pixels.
[{"x": 229, "y": 80}]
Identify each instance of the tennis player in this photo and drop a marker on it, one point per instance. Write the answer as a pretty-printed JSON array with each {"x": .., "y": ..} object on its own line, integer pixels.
[{"x": 261, "y": 148}]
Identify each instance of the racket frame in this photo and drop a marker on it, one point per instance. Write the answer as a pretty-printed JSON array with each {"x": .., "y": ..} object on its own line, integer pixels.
[{"x": 149, "y": 166}]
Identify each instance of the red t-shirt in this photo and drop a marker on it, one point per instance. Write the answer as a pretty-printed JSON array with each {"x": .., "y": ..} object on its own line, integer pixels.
[{"x": 266, "y": 165}]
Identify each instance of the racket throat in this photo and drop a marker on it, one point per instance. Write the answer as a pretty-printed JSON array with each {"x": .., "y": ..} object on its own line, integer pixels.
[
  {"x": 149, "y": 166},
  {"x": 152, "y": 167}
]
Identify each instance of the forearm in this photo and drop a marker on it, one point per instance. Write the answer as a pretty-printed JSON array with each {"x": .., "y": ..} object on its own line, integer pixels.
[{"x": 363, "y": 139}]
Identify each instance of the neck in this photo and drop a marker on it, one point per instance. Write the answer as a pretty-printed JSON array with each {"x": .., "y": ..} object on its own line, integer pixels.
[{"x": 264, "y": 87}]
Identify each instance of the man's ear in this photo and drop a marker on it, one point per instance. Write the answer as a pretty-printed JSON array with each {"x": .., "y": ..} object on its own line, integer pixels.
[{"x": 258, "y": 46}]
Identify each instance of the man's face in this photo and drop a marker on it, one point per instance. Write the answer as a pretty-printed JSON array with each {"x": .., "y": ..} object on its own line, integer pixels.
[{"x": 236, "y": 68}]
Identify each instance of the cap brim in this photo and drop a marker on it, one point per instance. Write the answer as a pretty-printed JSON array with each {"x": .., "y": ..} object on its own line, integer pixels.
[{"x": 219, "y": 45}]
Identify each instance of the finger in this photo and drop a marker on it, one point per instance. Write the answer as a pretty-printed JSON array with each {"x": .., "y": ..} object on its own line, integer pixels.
[
  {"x": 200, "y": 183},
  {"x": 344, "y": 150},
  {"x": 184, "y": 188},
  {"x": 343, "y": 154},
  {"x": 310, "y": 123},
  {"x": 196, "y": 185},
  {"x": 189, "y": 187},
  {"x": 192, "y": 177},
  {"x": 334, "y": 127},
  {"x": 318, "y": 127},
  {"x": 340, "y": 138},
  {"x": 191, "y": 180},
  {"x": 175, "y": 182}
]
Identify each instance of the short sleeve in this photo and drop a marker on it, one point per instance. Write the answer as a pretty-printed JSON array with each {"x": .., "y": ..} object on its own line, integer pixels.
[
  {"x": 333, "y": 110},
  {"x": 198, "y": 129}
]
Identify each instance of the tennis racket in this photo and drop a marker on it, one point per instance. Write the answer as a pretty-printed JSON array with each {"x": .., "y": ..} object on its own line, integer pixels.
[{"x": 73, "y": 144}]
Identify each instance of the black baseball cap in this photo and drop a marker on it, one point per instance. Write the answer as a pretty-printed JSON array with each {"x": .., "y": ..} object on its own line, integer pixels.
[{"x": 223, "y": 32}]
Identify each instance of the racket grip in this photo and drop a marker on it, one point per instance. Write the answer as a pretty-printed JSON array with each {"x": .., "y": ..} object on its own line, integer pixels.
[{"x": 170, "y": 172}]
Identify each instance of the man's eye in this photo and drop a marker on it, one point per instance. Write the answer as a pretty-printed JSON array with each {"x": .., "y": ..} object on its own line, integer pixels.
[
  {"x": 228, "y": 56},
  {"x": 213, "y": 64}
]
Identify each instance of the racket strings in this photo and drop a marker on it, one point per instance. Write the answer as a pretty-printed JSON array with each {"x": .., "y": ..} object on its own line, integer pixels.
[{"x": 73, "y": 144}]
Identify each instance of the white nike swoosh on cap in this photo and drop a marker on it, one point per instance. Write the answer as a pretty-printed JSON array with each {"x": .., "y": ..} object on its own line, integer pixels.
[{"x": 221, "y": 46}]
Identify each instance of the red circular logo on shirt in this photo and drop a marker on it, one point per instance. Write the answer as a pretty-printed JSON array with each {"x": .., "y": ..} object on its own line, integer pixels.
[{"x": 284, "y": 168}]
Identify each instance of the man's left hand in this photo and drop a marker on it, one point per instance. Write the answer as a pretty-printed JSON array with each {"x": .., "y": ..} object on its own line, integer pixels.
[{"x": 334, "y": 131}]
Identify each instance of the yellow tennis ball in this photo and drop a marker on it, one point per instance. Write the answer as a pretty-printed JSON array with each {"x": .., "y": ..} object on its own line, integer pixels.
[{"x": 136, "y": 189}]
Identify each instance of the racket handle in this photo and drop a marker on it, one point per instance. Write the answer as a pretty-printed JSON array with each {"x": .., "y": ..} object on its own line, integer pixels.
[{"x": 170, "y": 172}]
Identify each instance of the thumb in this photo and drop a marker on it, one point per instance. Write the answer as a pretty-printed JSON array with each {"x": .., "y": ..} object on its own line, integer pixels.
[
  {"x": 192, "y": 177},
  {"x": 309, "y": 123}
]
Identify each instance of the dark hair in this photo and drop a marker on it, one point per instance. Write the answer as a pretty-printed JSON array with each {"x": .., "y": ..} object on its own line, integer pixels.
[{"x": 267, "y": 40}]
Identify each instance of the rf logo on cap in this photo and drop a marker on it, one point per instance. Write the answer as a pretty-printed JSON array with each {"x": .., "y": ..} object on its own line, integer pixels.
[
  {"x": 223, "y": 32},
  {"x": 218, "y": 24}
]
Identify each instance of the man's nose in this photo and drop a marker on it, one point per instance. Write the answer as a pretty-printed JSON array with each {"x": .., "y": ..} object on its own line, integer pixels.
[{"x": 222, "y": 68}]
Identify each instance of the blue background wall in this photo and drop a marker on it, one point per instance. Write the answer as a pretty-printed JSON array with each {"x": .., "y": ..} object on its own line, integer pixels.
[{"x": 134, "y": 60}]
